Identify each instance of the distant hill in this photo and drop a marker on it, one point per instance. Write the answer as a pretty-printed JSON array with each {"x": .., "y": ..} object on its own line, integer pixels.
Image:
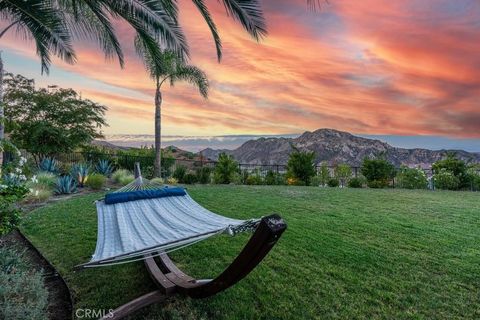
[{"x": 333, "y": 146}]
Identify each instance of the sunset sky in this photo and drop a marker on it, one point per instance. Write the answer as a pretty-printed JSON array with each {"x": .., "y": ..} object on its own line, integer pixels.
[{"x": 376, "y": 67}]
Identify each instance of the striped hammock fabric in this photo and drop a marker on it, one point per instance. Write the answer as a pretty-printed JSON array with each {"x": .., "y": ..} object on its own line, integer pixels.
[{"x": 127, "y": 231}]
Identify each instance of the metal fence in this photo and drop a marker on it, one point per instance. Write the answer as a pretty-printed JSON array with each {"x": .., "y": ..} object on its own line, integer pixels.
[{"x": 169, "y": 165}]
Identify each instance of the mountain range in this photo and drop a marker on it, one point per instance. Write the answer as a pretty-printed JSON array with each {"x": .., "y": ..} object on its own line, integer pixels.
[{"x": 334, "y": 147}]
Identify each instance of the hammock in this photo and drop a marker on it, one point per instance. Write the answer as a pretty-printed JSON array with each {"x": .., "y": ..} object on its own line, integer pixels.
[
  {"x": 144, "y": 217},
  {"x": 145, "y": 220}
]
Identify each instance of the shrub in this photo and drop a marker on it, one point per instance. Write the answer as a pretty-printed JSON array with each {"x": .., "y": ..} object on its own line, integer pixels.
[
  {"x": 49, "y": 165},
  {"x": 343, "y": 172},
  {"x": 172, "y": 181},
  {"x": 333, "y": 183},
  {"x": 225, "y": 169},
  {"x": 46, "y": 179},
  {"x": 157, "y": 180},
  {"x": 270, "y": 178},
  {"x": 254, "y": 179},
  {"x": 119, "y": 174},
  {"x": 80, "y": 173},
  {"x": 179, "y": 173},
  {"x": 203, "y": 175},
  {"x": 189, "y": 178},
  {"x": 126, "y": 179},
  {"x": 455, "y": 166},
  {"x": 96, "y": 181},
  {"x": 473, "y": 174},
  {"x": 9, "y": 211},
  {"x": 446, "y": 180},
  {"x": 378, "y": 172},
  {"x": 412, "y": 178},
  {"x": 104, "y": 167},
  {"x": 356, "y": 182},
  {"x": 323, "y": 174},
  {"x": 65, "y": 185},
  {"x": 22, "y": 291},
  {"x": 37, "y": 195},
  {"x": 301, "y": 166}
]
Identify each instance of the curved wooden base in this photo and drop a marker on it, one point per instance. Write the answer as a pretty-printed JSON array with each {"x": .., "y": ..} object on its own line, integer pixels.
[{"x": 170, "y": 279}]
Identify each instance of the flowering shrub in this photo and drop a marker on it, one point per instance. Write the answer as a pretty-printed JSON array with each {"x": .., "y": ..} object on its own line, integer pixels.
[
  {"x": 412, "y": 178},
  {"x": 12, "y": 190},
  {"x": 446, "y": 180}
]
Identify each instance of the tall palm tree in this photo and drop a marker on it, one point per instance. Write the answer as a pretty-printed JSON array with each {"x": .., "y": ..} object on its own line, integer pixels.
[{"x": 170, "y": 68}]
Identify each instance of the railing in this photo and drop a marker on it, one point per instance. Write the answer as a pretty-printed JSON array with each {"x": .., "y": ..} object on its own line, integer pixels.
[{"x": 169, "y": 165}]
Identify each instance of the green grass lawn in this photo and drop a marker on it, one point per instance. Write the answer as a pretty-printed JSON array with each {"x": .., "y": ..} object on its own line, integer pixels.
[{"x": 347, "y": 253}]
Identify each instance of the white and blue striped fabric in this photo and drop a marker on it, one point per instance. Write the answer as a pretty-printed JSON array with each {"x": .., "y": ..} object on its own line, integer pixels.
[{"x": 127, "y": 231}]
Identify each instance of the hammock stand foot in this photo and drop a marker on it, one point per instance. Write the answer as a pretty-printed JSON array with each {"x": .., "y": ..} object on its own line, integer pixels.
[{"x": 171, "y": 280}]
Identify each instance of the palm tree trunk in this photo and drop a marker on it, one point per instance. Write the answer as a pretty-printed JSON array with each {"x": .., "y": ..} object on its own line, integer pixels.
[
  {"x": 2, "y": 117},
  {"x": 158, "y": 132}
]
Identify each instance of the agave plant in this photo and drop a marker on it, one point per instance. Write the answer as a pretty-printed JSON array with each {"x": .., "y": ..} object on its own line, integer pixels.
[
  {"x": 104, "y": 167},
  {"x": 49, "y": 165},
  {"x": 65, "y": 185},
  {"x": 80, "y": 172}
]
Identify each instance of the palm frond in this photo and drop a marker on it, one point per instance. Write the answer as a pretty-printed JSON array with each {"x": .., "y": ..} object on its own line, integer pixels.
[
  {"x": 45, "y": 25},
  {"x": 89, "y": 20},
  {"x": 249, "y": 13},
  {"x": 192, "y": 75},
  {"x": 151, "y": 18},
  {"x": 211, "y": 24}
]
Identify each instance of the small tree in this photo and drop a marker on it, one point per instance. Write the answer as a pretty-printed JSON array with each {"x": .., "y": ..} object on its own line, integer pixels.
[
  {"x": 45, "y": 122},
  {"x": 301, "y": 165},
  {"x": 324, "y": 174},
  {"x": 225, "y": 169},
  {"x": 343, "y": 172},
  {"x": 378, "y": 172}
]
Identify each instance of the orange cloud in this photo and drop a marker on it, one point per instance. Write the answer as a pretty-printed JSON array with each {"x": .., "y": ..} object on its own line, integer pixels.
[{"x": 373, "y": 67}]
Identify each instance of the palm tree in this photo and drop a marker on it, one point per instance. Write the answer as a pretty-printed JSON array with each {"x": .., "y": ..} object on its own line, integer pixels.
[
  {"x": 172, "y": 69},
  {"x": 53, "y": 24}
]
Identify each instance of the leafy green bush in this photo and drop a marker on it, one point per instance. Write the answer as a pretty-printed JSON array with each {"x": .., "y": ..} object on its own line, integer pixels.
[
  {"x": 203, "y": 175},
  {"x": 254, "y": 179},
  {"x": 455, "y": 166},
  {"x": 225, "y": 169},
  {"x": 343, "y": 172},
  {"x": 301, "y": 166},
  {"x": 190, "y": 178},
  {"x": 446, "y": 180},
  {"x": 9, "y": 210},
  {"x": 473, "y": 174},
  {"x": 126, "y": 179},
  {"x": 333, "y": 182},
  {"x": 412, "y": 178},
  {"x": 65, "y": 185},
  {"x": 22, "y": 291},
  {"x": 96, "y": 181},
  {"x": 378, "y": 172},
  {"x": 356, "y": 182},
  {"x": 179, "y": 173},
  {"x": 273, "y": 178}
]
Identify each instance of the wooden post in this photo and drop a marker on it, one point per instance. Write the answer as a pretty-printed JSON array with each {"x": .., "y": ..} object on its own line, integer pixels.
[{"x": 137, "y": 171}]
